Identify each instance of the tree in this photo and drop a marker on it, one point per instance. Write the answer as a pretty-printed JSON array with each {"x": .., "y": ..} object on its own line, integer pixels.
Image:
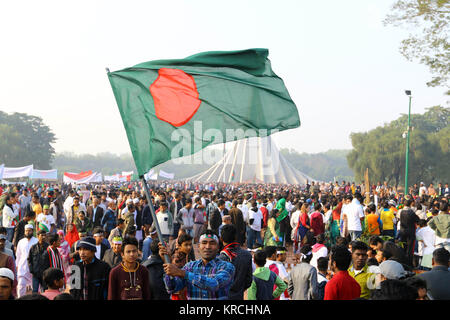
[
  {"x": 9, "y": 144},
  {"x": 382, "y": 149},
  {"x": 324, "y": 166},
  {"x": 32, "y": 141},
  {"x": 429, "y": 44}
]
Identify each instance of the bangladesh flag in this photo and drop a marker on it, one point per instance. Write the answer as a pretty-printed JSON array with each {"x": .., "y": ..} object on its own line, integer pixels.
[{"x": 174, "y": 108}]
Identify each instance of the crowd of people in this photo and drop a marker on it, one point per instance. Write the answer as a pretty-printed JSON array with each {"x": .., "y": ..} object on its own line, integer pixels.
[{"x": 224, "y": 241}]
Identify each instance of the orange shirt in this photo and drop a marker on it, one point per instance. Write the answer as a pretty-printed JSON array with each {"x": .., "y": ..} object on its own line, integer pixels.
[{"x": 372, "y": 224}]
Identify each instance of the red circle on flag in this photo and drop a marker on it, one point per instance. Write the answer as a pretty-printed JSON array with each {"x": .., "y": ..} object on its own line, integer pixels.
[{"x": 175, "y": 96}]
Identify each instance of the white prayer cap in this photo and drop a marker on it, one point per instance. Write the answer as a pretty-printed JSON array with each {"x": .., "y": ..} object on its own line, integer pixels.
[
  {"x": 28, "y": 226},
  {"x": 7, "y": 273}
]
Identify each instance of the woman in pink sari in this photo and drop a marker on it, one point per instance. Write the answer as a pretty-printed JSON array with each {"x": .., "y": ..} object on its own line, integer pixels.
[{"x": 64, "y": 251}]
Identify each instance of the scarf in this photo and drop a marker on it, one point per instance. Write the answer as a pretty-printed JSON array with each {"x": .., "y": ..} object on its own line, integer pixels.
[
  {"x": 55, "y": 259},
  {"x": 281, "y": 208},
  {"x": 317, "y": 247},
  {"x": 72, "y": 236},
  {"x": 228, "y": 250}
]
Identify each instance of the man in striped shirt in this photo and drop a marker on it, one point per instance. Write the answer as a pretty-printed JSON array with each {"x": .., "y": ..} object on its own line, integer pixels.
[{"x": 208, "y": 278}]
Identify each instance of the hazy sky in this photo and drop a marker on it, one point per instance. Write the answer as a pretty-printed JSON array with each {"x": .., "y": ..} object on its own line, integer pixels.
[{"x": 341, "y": 66}]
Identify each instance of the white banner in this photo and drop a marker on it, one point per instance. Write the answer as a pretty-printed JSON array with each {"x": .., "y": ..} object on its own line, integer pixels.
[
  {"x": 149, "y": 174},
  {"x": 2, "y": 166},
  {"x": 94, "y": 177},
  {"x": 17, "y": 172},
  {"x": 154, "y": 176},
  {"x": 45, "y": 174},
  {"x": 9, "y": 182},
  {"x": 113, "y": 178},
  {"x": 127, "y": 173},
  {"x": 166, "y": 174}
]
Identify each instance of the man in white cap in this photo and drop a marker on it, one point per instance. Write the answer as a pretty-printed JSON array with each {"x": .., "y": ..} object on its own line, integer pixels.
[
  {"x": 6, "y": 284},
  {"x": 24, "y": 277},
  {"x": 391, "y": 270}
]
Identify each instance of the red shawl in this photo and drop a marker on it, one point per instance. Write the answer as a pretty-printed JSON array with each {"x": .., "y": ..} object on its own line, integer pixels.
[{"x": 72, "y": 236}]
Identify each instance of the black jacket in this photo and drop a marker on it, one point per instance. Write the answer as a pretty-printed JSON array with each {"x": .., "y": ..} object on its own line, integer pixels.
[
  {"x": 147, "y": 215},
  {"x": 36, "y": 259},
  {"x": 98, "y": 216},
  {"x": 103, "y": 249},
  {"x": 156, "y": 273},
  {"x": 408, "y": 220},
  {"x": 97, "y": 277},
  {"x": 243, "y": 274},
  {"x": 216, "y": 219}
]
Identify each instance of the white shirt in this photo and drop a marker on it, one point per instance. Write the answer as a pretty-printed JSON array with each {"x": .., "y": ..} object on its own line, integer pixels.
[
  {"x": 427, "y": 235},
  {"x": 163, "y": 221},
  {"x": 326, "y": 217},
  {"x": 322, "y": 252},
  {"x": 23, "y": 249},
  {"x": 257, "y": 216},
  {"x": 8, "y": 216},
  {"x": 289, "y": 207},
  {"x": 284, "y": 275},
  {"x": 422, "y": 191},
  {"x": 354, "y": 212},
  {"x": 68, "y": 204},
  {"x": 269, "y": 206},
  {"x": 294, "y": 219},
  {"x": 46, "y": 219},
  {"x": 97, "y": 252},
  {"x": 188, "y": 217},
  {"x": 244, "y": 210}
]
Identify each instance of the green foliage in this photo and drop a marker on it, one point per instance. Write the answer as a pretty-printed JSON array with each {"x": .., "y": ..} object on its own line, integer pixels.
[
  {"x": 382, "y": 149},
  {"x": 25, "y": 140},
  {"x": 325, "y": 166},
  {"x": 429, "y": 42}
]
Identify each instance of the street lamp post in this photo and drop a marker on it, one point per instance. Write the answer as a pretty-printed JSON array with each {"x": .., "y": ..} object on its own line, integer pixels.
[{"x": 408, "y": 93}]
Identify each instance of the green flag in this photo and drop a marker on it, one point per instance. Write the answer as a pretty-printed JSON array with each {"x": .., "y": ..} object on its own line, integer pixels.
[{"x": 174, "y": 108}]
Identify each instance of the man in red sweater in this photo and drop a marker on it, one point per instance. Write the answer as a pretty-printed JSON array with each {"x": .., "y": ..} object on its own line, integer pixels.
[{"x": 342, "y": 286}]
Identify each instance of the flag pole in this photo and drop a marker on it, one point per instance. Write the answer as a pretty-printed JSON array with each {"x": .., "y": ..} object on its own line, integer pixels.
[
  {"x": 150, "y": 204},
  {"x": 155, "y": 220}
]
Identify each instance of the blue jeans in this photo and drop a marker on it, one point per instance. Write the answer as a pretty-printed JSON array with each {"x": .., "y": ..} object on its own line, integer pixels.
[
  {"x": 35, "y": 284},
  {"x": 354, "y": 234},
  {"x": 252, "y": 236},
  {"x": 10, "y": 233}
]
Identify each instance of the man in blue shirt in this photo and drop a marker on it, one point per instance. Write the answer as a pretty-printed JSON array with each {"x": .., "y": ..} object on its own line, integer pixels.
[{"x": 208, "y": 278}]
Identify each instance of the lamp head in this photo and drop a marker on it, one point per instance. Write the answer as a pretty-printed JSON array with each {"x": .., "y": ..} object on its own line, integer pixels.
[{"x": 408, "y": 92}]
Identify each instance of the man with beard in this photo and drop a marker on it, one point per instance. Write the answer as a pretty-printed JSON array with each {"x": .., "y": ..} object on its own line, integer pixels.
[
  {"x": 112, "y": 256},
  {"x": 24, "y": 277},
  {"x": 208, "y": 278}
]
